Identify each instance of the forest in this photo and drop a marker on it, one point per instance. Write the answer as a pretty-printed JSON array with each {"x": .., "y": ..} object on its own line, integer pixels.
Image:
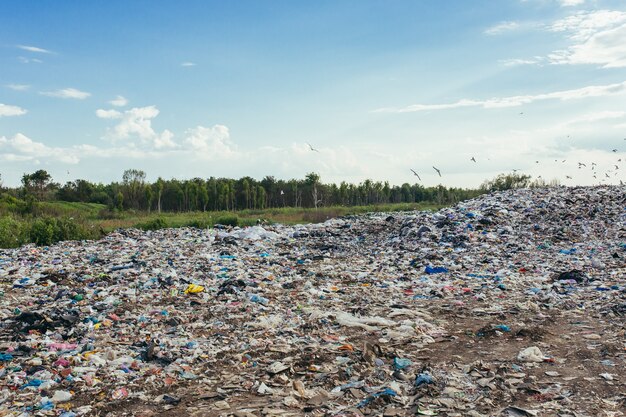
[{"x": 134, "y": 192}]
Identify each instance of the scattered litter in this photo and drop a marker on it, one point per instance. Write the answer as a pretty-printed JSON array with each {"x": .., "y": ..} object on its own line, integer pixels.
[{"x": 515, "y": 297}]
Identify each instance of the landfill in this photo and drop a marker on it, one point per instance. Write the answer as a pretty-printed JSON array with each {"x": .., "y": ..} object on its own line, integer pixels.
[{"x": 510, "y": 304}]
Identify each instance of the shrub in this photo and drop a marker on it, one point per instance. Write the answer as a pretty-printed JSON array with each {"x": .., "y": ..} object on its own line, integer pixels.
[
  {"x": 154, "y": 224},
  {"x": 48, "y": 230},
  {"x": 227, "y": 220},
  {"x": 42, "y": 232},
  {"x": 13, "y": 233},
  {"x": 198, "y": 223}
]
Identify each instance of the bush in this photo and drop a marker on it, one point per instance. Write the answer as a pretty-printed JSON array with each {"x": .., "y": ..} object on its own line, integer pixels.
[
  {"x": 227, "y": 220},
  {"x": 42, "y": 232},
  {"x": 15, "y": 205},
  {"x": 155, "y": 224},
  {"x": 13, "y": 233},
  {"x": 48, "y": 230},
  {"x": 198, "y": 223}
]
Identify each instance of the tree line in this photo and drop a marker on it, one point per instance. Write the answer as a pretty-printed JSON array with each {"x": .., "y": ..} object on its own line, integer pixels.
[{"x": 134, "y": 192}]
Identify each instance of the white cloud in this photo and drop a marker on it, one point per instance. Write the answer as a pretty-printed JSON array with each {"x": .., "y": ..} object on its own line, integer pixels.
[
  {"x": 582, "y": 25},
  {"x": 502, "y": 27},
  {"x": 67, "y": 93},
  {"x": 164, "y": 140},
  {"x": 25, "y": 60},
  {"x": 598, "y": 116},
  {"x": 34, "y": 49},
  {"x": 517, "y": 62},
  {"x": 21, "y": 147},
  {"x": 513, "y": 101},
  {"x": 8, "y": 110},
  {"x": 18, "y": 87},
  {"x": 119, "y": 101},
  {"x": 598, "y": 38},
  {"x": 108, "y": 114},
  {"x": 136, "y": 123},
  {"x": 570, "y": 3},
  {"x": 187, "y": 64},
  {"x": 210, "y": 142}
]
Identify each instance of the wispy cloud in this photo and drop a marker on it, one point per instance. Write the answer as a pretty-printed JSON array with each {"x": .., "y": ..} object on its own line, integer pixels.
[
  {"x": 514, "y": 62},
  {"x": 119, "y": 101},
  {"x": 598, "y": 116},
  {"x": 67, "y": 93},
  {"x": 18, "y": 87},
  {"x": 570, "y": 3},
  {"x": 592, "y": 37},
  {"x": 598, "y": 38},
  {"x": 31, "y": 48},
  {"x": 188, "y": 64},
  {"x": 513, "y": 101},
  {"x": 25, "y": 60},
  {"x": 8, "y": 110},
  {"x": 502, "y": 27}
]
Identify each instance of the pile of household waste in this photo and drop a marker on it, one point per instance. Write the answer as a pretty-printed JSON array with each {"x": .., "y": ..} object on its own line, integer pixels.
[{"x": 511, "y": 304}]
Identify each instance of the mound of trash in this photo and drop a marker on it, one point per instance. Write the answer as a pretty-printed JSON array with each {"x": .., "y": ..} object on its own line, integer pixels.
[{"x": 511, "y": 304}]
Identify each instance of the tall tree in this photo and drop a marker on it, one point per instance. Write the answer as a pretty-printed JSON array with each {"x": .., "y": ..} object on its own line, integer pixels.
[
  {"x": 133, "y": 181},
  {"x": 36, "y": 182}
]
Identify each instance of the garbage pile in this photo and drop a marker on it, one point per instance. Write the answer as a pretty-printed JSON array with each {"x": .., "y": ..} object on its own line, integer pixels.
[{"x": 511, "y": 304}]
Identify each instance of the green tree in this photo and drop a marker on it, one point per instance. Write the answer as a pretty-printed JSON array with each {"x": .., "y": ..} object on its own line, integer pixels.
[
  {"x": 507, "y": 182},
  {"x": 133, "y": 182},
  {"x": 119, "y": 201},
  {"x": 312, "y": 180},
  {"x": 159, "y": 187},
  {"x": 149, "y": 196},
  {"x": 36, "y": 183}
]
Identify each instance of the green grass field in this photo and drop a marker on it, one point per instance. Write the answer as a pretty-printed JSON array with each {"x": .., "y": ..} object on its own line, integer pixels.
[{"x": 287, "y": 215}]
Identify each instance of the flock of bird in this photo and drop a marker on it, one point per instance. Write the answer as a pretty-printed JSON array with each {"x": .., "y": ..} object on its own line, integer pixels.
[{"x": 594, "y": 167}]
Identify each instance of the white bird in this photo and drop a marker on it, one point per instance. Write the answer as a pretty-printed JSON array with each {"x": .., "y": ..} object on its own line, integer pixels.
[
  {"x": 438, "y": 172},
  {"x": 418, "y": 177},
  {"x": 311, "y": 147}
]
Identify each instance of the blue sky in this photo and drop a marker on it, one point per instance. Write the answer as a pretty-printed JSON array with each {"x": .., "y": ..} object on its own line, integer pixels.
[{"x": 203, "y": 88}]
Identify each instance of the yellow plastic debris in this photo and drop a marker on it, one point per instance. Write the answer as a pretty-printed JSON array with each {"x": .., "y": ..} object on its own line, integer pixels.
[{"x": 194, "y": 289}]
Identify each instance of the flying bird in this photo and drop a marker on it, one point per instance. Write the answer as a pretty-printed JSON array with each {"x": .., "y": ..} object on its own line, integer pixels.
[
  {"x": 418, "y": 177},
  {"x": 473, "y": 159},
  {"x": 568, "y": 177},
  {"x": 438, "y": 172},
  {"x": 311, "y": 147},
  {"x": 614, "y": 150},
  {"x": 515, "y": 170}
]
